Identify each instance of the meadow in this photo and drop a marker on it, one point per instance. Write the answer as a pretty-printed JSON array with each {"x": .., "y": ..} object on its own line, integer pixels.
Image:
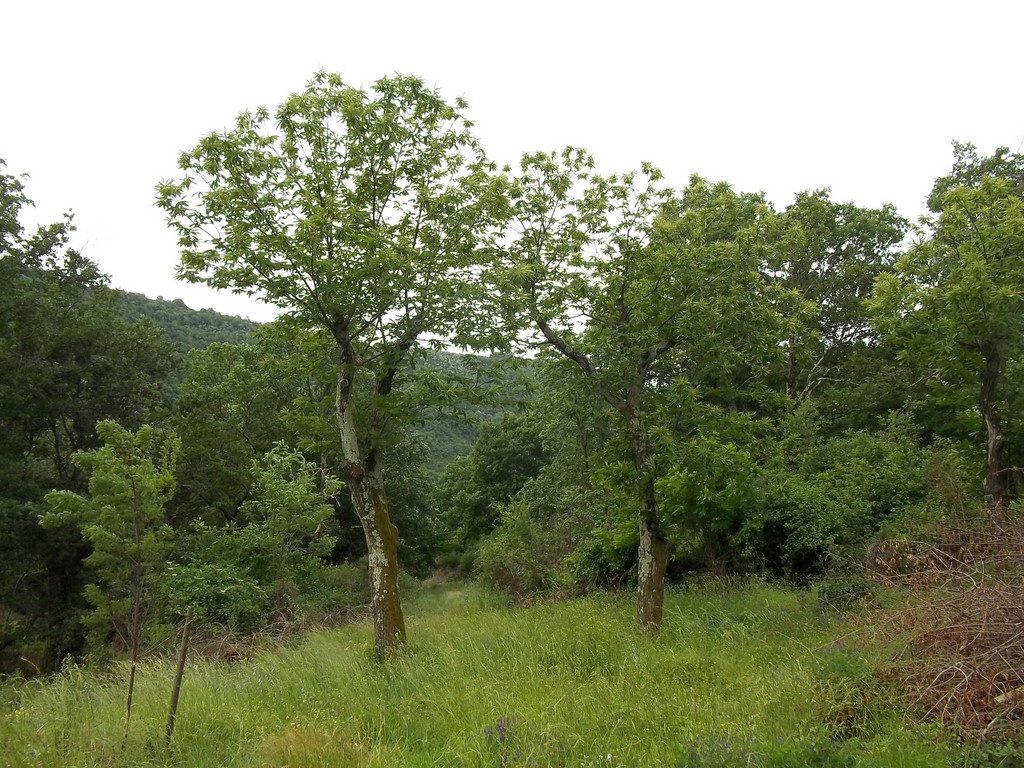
[{"x": 741, "y": 675}]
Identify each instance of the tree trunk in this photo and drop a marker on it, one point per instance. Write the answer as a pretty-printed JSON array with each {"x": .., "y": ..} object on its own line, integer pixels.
[
  {"x": 995, "y": 487},
  {"x": 382, "y": 549},
  {"x": 369, "y": 501},
  {"x": 791, "y": 373},
  {"x": 654, "y": 547},
  {"x": 134, "y": 627},
  {"x": 654, "y": 552}
]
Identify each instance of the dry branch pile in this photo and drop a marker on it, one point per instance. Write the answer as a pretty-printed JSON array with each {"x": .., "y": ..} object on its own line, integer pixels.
[{"x": 961, "y": 619}]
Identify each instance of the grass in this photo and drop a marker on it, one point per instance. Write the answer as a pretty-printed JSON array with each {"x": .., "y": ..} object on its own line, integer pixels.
[{"x": 740, "y": 676}]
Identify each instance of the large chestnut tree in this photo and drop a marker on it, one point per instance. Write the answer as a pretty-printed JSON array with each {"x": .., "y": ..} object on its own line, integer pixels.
[{"x": 363, "y": 215}]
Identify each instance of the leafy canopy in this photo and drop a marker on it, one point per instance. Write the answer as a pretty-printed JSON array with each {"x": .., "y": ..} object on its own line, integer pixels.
[{"x": 362, "y": 213}]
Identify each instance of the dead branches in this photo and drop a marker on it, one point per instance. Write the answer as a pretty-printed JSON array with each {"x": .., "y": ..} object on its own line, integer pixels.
[{"x": 959, "y": 615}]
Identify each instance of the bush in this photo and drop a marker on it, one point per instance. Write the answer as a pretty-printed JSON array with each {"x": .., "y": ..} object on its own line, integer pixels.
[
  {"x": 823, "y": 512},
  {"x": 221, "y": 595},
  {"x": 551, "y": 536},
  {"x": 521, "y": 557},
  {"x": 332, "y": 593}
]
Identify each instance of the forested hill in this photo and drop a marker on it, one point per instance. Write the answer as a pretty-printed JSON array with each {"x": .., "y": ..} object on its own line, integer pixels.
[
  {"x": 444, "y": 438},
  {"x": 188, "y": 328}
]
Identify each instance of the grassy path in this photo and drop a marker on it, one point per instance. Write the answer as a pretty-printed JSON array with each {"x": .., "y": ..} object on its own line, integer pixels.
[{"x": 739, "y": 677}]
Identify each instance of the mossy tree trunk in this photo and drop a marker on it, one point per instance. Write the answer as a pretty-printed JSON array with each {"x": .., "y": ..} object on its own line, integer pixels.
[
  {"x": 365, "y": 480},
  {"x": 654, "y": 549}
]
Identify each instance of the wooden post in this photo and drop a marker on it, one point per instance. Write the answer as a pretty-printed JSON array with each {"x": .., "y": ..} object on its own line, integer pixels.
[{"x": 186, "y": 634}]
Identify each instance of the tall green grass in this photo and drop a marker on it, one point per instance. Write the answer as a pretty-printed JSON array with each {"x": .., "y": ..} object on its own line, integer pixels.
[{"x": 744, "y": 676}]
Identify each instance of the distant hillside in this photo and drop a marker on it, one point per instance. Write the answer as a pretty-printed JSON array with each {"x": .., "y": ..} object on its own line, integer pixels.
[
  {"x": 186, "y": 327},
  {"x": 445, "y": 437},
  {"x": 450, "y": 436}
]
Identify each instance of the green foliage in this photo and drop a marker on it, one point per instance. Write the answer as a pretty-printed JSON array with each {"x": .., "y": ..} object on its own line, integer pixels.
[
  {"x": 969, "y": 170},
  {"x": 367, "y": 218},
  {"x": 228, "y": 413},
  {"x": 828, "y": 256},
  {"x": 186, "y": 329},
  {"x": 360, "y": 213},
  {"x": 290, "y": 502},
  {"x": 507, "y": 453},
  {"x": 707, "y": 367},
  {"x": 537, "y": 546},
  {"x": 837, "y": 496},
  {"x": 67, "y": 361},
  {"x": 530, "y": 476},
  {"x": 656, "y": 271},
  {"x": 223, "y": 595},
  {"x": 475, "y": 390},
  {"x": 707, "y": 493},
  {"x": 471, "y": 491},
  {"x": 956, "y": 300},
  {"x": 254, "y": 570},
  {"x": 412, "y": 505},
  {"x": 131, "y": 479},
  {"x": 671, "y": 289},
  {"x": 459, "y": 498},
  {"x": 963, "y": 283},
  {"x": 522, "y": 556},
  {"x": 996, "y": 753}
]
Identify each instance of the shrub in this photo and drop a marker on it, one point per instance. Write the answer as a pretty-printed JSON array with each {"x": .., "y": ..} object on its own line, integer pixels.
[
  {"x": 823, "y": 513},
  {"x": 551, "y": 536},
  {"x": 221, "y": 595}
]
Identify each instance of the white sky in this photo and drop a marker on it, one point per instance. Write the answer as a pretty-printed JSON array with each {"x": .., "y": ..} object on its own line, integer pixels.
[{"x": 99, "y": 98}]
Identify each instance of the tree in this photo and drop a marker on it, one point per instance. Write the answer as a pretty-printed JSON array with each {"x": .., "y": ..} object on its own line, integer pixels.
[
  {"x": 67, "y": 360},
  {"x": 957, "y": 298},
  {"x": 131, "y": 479},
  {"x": 634, "y": 285},
  {"x": 830, "y": 254},
  {"x": 363, "y": 216}
]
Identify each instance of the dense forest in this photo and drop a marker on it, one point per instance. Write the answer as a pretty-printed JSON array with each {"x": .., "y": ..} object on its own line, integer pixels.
[{"x": 550, "y": 378}]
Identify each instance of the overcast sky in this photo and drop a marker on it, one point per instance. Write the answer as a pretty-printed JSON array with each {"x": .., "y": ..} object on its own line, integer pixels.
[{"x": 99, "y": 97}]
